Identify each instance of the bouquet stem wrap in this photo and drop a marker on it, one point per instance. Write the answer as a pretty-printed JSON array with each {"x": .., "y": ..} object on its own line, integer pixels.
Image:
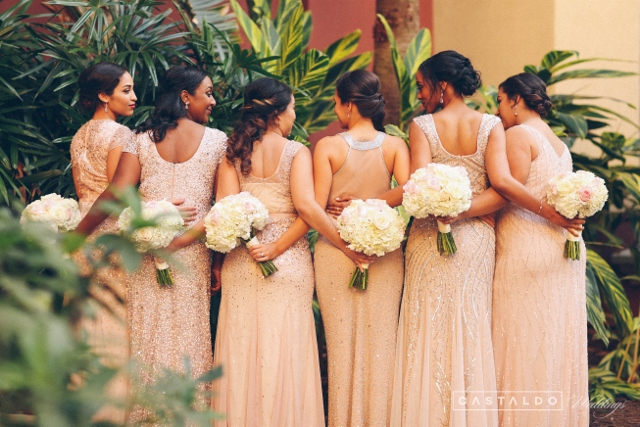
[
  {"x": 163, "y": 274},
  {"x": 445, "y": 241},
  {"x": 572, "y": 246},
  {"x": 359, "y": 278},
  {"x": 267, "y": 267}
]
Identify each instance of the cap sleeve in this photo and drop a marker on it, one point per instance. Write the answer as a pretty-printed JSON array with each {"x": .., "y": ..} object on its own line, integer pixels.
[
  {"x": 133, "y": 144},
  {"x": 120, "y": 138}
]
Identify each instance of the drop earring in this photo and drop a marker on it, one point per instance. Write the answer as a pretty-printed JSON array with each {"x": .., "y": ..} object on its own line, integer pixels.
[
  {"x": 441, "y": 97},
  {"x": 106, "y": 107},
  {"x": 515, "y": 111},
  {"x": 186, "y": 105}
]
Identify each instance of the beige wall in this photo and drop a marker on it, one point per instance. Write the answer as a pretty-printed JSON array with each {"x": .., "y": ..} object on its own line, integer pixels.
[{"x": 501, "y": 36}]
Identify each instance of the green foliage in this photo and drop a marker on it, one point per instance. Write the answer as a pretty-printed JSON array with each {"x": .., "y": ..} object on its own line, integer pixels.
[
  {"x": 405, "y": 69},
  {"x": 47, "y": 369},
  {"x": 282, "y": 41}
]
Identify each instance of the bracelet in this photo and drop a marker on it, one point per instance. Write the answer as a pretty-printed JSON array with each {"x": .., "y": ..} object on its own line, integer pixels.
[{"x": 540, "y": 208}]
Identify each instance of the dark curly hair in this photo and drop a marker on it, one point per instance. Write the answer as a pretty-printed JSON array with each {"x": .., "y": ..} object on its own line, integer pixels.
[
  {"x": 362, "y": 87},
  {"x": 264, "y": 99},
  {"x": 451, "y": 67},
  {"x": 102, "y": 77},
  {"x": 531, "y": 89},
  {"x": 169, "y": 106}
]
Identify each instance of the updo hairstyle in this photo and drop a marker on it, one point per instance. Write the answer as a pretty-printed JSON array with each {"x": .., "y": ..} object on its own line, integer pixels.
[
  {"x": 169, "y": 106},
  {"x": 362, "y": 87},
  {"x": 531, "y": 89},
  {"x": 102, "y": 77},
  {"x": 264, "y": 99},
  {"x": 451, "y": 67}
]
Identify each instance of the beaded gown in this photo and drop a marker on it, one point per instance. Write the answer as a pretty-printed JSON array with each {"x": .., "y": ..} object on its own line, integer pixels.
[
  {"x": 266, "y": 338},
  {"x": 444, "y": 362},
  {"x": 360, "y": 326},
  {"x": 170, "y": 324},
  {"x": 107, "y": 330},
  {"x": 539, "y": 310}
]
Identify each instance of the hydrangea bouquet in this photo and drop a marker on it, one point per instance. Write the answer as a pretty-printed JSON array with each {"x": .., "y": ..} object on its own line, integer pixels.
[
  {"x": 234, "y": 218},
  {"x": 168, "y": 223},
  {"x": 576, "y": 194},
  {"x": 439, "y": 190},
  {"x": 56, "y": 212},
  {"x": 371, "y": 227}
]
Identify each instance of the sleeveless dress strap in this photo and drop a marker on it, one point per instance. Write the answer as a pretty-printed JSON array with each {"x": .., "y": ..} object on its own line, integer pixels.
[{"x": 487, "y": 123}]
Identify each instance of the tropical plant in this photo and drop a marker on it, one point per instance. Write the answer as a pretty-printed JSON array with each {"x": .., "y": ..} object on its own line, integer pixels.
[
  {"x": 284, "y": 41},
  {"x": 405, "y": 69},
  {"x": 48, "y": 375}
]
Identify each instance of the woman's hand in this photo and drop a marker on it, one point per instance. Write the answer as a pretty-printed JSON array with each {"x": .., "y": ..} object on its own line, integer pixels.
[
  {"x": 335, "y": 207},
  {"x": 447, "y": 219},
  {"x": 264, "y": 251},
  {"x": 188, "y": 212},
  {"x": 359, "y": 258},
  {"x": 573, "y": 226}
]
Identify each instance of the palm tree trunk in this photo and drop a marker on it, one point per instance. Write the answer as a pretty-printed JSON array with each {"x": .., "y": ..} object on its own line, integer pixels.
[{"x": 404, "y": 18}]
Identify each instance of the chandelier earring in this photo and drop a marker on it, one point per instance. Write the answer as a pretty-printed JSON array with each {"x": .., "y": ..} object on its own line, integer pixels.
[{"x": 106, "y": 107}]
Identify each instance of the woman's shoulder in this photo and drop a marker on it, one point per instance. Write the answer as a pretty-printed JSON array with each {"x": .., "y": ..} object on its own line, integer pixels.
[{"x": 215, "y": 134}]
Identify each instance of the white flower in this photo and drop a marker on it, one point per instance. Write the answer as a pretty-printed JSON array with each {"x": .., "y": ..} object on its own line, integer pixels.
[
  {"x": 58, "y": 213},
  {"x": 577, "y": 194},
  {"x": 233, "y": 218},
  {"x": 439, "y": 190},
  {"x": 168, "y": 221},
  {"x": 371, "y": 227}
]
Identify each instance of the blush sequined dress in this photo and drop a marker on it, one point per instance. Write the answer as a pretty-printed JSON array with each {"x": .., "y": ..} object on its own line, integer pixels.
[
  {"x": 107, "y": 330},
  {"x": 266, "y": 338},
  {"x": 170, "y": 324},
  {"x": 444, "y": 362},
  {"x": 539, "y": 311},
  {"x": 360, "y": 326}
]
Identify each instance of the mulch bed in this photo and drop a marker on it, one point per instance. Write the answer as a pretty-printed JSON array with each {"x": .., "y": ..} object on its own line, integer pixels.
[{"x": 626, "y": 413}]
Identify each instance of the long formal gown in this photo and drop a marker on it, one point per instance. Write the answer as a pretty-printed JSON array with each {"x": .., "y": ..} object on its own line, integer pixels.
[
  {"x": 539, "y": 311},
  {"x": 444, "y": 372},
  {"x": 107, "y": 330},
  {"x": 360, "y": 326},
  {"x": 266, "y": 339},
  {"x": 170, "y": 324}
]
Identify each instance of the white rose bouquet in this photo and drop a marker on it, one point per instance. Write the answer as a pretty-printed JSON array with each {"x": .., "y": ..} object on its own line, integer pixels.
[
  {"x": 168, "y": 223},
  {"x": 371, "y": 227},
  {"x": 56, "y": 212},
  {"x": 576, "y": 194},
  {"x": 234, "y": 218},
  {"x": 439, "y": 190}
]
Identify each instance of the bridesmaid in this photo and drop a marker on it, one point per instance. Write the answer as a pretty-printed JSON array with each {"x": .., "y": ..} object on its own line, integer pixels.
[
  {"x": 172, "y": 156},
  {"x": 106, "y": 90},
  {"x": 444, "y": 372},
  {"x": 360, "y": 326},
  {"x": 539, "y": 317},
  {"x": 266, "y": 340}
]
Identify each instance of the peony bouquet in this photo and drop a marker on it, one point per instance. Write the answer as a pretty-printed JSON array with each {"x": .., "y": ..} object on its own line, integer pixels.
[
  {"x": 371, "y": 227},
  {"x": 576, "y": 194},
  {"x": 439, "y": 190},
  {"x": 237, "y": 217},
  {"x": 56, "y": 212},
  {"x": 168, "y": 223}
]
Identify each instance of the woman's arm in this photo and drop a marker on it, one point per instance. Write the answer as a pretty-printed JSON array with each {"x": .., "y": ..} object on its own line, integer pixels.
[
  {"x": 303, "y": 194},
  {"x": 113, "y": 158},
  {"x": 127, "y": 174},
  {"x": 401, "y": 171},
  {"x": 226, "y": 183},
  {"x": 508, "y": 163}
]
